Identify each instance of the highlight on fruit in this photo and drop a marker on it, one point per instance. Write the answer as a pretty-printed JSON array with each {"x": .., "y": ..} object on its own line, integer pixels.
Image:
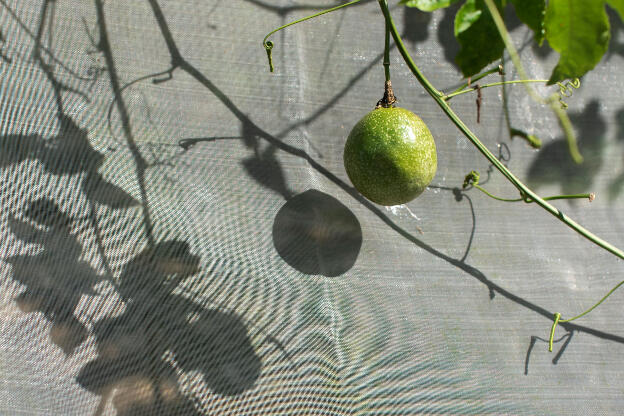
[{"x": 390, "y": 156}]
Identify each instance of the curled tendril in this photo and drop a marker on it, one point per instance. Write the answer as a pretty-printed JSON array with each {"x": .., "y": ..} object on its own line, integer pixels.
[
  {"x": 471, "y": 179},
  {"x": 566, "y": 90},
  {"x": 268, "y": 46}
]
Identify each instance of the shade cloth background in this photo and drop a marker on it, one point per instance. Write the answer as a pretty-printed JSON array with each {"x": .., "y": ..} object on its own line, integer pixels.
[{"x": 240, "y": 274}]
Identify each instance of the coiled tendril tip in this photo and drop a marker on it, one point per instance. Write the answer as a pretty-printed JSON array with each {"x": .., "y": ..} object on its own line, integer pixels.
[
  {"x": 268, "y": 46},
  {"x": 471, "y": 179},
  {"x": 567, "y": 89}
]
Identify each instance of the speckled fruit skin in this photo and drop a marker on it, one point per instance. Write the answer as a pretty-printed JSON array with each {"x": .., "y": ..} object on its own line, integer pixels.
[{"x": 390, "y": 156}]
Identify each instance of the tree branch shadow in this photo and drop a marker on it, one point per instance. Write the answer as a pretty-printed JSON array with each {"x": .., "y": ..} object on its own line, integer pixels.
[
  {"x": 553, "y": 163},
  {"x": 284, "y": 10},
  {"x": 178, "y": 62},
  {"x": 138, "y": 359},
  {"x": 160, "y": 335}
]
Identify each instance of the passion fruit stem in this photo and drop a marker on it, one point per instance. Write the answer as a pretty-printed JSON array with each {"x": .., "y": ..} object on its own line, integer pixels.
[
  {"x": 386, "y": 62},
  {"x": 389, "y": 99}
]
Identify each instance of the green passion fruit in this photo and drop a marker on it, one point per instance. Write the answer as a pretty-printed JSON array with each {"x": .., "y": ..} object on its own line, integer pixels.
[{"x": 390, "y": 156}]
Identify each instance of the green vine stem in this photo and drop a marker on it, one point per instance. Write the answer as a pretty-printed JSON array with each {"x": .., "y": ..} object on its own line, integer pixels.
[
  {"x": 268, "y": 45},
  {"x": 439, "y": 98},
  {"x": 590, "y": 196},
  {"x": 565, "y": 90},
  {"x": 479, "y": 187},
  {"x": 552, "y": 101}
]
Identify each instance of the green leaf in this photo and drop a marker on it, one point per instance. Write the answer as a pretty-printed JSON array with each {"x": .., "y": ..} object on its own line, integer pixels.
[
  {"x": 478, "y": 37},
  {"x": 531, "y": 13},
  {"x": 618, "y": 5},
  {"x": 428, "y": 5},
  {"x": 579, "y": 31}
]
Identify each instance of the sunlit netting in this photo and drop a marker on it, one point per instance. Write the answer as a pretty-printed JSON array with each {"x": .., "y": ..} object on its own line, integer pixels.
[{"x": 179, "y": 236}]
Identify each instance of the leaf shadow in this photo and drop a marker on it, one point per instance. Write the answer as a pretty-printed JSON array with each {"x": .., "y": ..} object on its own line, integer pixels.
[
  {"x": 267, "y": 171},
  {"x": 553, "y": 164},
  {"x": 160, "y": 334},
  {"x": 617, "y": 184},
  {"x": 56, "y": 278},
  {"x": 446, "y": 34},
  {"x": 415, "y": 25},
  {"x": 69, "y": 152}
]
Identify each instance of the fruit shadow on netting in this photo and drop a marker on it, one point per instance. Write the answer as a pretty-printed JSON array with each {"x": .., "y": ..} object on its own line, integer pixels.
[
  {"x": 312, "y": 232},
  {"x": 178, "y": 62}
]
